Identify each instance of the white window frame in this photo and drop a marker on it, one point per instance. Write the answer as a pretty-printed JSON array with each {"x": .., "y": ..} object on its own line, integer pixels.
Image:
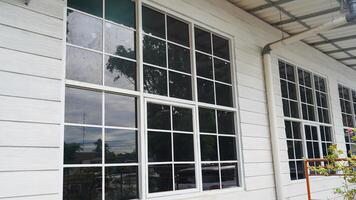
[{"x": 143, "y": 97}]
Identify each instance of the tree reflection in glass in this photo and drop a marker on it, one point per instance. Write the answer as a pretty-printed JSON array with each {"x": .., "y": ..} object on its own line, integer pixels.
[
  {"x": 121, "y": 183},
  {"x": 120, "y": 146}
]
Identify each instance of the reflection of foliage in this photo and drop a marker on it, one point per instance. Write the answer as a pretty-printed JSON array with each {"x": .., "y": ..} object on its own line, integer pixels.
[
  {"x": 70, "y": 151},
  {"x": 121, "y": 182},
  {"x": 154, "y": 51},
  {"x": 155, "y": 80},
  {"x": 119, "y": 157}
]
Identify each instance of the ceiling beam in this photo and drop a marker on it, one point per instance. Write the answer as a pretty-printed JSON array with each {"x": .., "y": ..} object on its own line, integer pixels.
[
  {"x": 350, "y": 37},
  {"x": 348, "y": 58},
  {"x": 340, "y": 50},
  {"x": 268, "y": 5},
  {"x": 311, "y": 15}
]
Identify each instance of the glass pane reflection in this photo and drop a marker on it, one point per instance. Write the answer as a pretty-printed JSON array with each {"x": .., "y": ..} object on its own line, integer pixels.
[
  {"x": 155, "y": 80},
  {"x": 210, "y": 176},
  {"x": 119, "y": 41},
  {"x": 208, "y": 147},
  {"x": 121, "y": 12},
  {"x": 154, "y": 51},
  {"x": 120, "y": 110},
  {"x": 121, "y": 183},
  {"x": 184, "y": 176},
  {"x": 120, "y": 73},
  {"x": 229, "y": 175},
  {"x": 183, "y": 147},
  {"x": 159, "y": 147},
  {"x": 120, "y": 146},
  {"x": 160, "y": 178}
]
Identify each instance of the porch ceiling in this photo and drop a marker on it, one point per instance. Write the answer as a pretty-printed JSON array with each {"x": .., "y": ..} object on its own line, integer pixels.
[{"x": 294, "y": 16}]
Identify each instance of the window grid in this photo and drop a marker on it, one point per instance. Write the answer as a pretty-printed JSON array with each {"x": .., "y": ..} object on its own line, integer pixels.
[
  {"x": 307, "y": 94},
  {"x": 347, "y": 103},
  {"x": 106, "y": 89}
]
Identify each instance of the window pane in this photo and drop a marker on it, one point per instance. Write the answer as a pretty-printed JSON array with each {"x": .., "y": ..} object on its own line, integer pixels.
[
  {"x": 120, "y": 146},
  {"x": 180, "y": 86},
  {"x": 155, "y": 80},
  {"x": 207, "y": 122},
  {"x": 300, "y": 169},
  {"x": 121, "y": 183},
  {"x": 159, "y": 147},
  {"x": 208, "y": 148},
  {"x": 298, "y": 149},
  {"x": 226, "y": 122},
  {"x": 83, "y": 106},
  {"x": 121, "y": 12},
  {"x": 221, "y": 47},
  {"x": 288, "y": 129},
  {"x": 282, "y": 70},
  {"x": 222, "y": 70},
  {"x": 82, "y": 183},
  {"x": 154, "y": 51},
  {"x": 292, "y": 169},
  {"x": 94, "y": 7},
  {"x": 160, "y": 178},
  {"x": 210, "y": 176},
  {"x": 296, "y": 130},
  {"x": 182, "y": 119},
  {"x": 286, "y": 109},
  {"x": 205, "y": 91},
  {"x": 223, "y": 95},
  {"x": 153, "y": 22},
  {"x": 178, "y": 58},
  {"x": 177, "y": 31},
  {"x": 229, "y": 175},
  {"x": 183, "y": 147},
  {"x": 202, "y": 40},
  {"x": 83, "y": 65},
  {"x": 158, "y": 116},
  {"x": 119, "y": 41},
  {"x": 294, "y": 109},
  {"x": 85, "y": 31},
  {"x": 82, "y": 145},
  {"x": 204, "y": 65},
  {"x": 184, "y": 176},
  {"x": 227, "y": 147},
  {"x": 120, "y": 110},
  {"x": 290, "y": 147},
  {"x": 120, "y": 73},
  {"x": 292, "y": 91}
]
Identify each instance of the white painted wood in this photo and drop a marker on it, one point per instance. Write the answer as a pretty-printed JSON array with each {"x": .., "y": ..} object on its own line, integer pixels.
[
  {"x": 31, "y": 21},
  {"x": 34, "y": 87},
  {"x": 252, "y": 106},
  {"x": 256, "y": 143},
  {"x": 28, "y": 158},
  {"x": 254, "y": 130},
  {"x": 254, "y": 118},
  {"x": 24, "y": 41},
  {"x": 254, "y": 183},
  {"x": 258, "y": 169}
]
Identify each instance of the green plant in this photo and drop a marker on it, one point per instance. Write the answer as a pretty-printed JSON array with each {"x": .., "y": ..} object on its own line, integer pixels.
[{"x": 346, "y": 168}]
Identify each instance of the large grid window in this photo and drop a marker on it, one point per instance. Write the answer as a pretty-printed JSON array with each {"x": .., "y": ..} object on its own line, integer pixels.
[
  {"x": 307, "y": 120},
  {"x": 148, "y": 117},
  {"x": 348, "y": 106}
]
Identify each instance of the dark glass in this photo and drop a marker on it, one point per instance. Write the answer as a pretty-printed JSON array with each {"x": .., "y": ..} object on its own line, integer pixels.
[
  {"x": 305, "y": 111},
  {"x": 180, "y": 86},
  {"x": 223, "y": 95},
  {"x": 222, "y": 70},
  {"x": 307, "y": 79},
  {"x": 85, "y": 31},
  {"x": 311, "y": 113},
  {"x": 301, "y": 77},
  {"x": 288, "y": 129},
  {"x": 316, "y": 83},
  {"x": 94, "y": 7},
  {"x": 221, "y": 47},
  {"x": 178, "y": 58},
  {"x": 290, "y": 146},
  {"x": 226, "y": 123},
  {"x": 341, "y": 95},
  {"x": 298, "y": 149},
  {"x": 292, "y": 91},
  {"x": 204, "y": 65},
  {"x": 82, "y": 183},
  {"x": 207, "y": 122},
  {"x": 229, "y": 175},
  {"x": 292, "y": 169},
  {"x": 314, "y": 132},
  {"x": 205, "y": 91},
  {"x": 158, "y": 116},
  {"x": 202, "y": 40},
  {"x": 120, "y": 110},
  {"x": 310, "y": 150},
  {"x": 184, "y": 176},
  {"x": 182, "y": 119},
  {"x": 284, "y": 89},
  {"x": 286, "y": 110},
  {"x": 300, "y": 169},
  {"x": 159, "y": 147},
  {"x": 154, "y": 51},
  {"x": 227, "y": 147},
  {"x": 83, "y": 65},
  {"x": 316, "y": 150},
  {"x": 296, "y": 130},
  {"x": 183, "y": 147},
  {"x": 323, "y": 100},
  {"x": 155, "y": 80},
  {"x": 282, "y": 69},
  {"x": 160, "y": 178},
  {"x": 82, "y": 145},
  {"x": 121, "y": 183},
  {"x": 210, "y": 176},
  {"x": 120, "y": 41},
  {"x": 308, "y": 133},
  {"x": 294, "y": 109},
  {"x": 120, "y": 146},
  {"x": 121, "y": 12},
  {"x": 290, "y": 72},
  {"x": 83, "y": 106},
  {"x": 120, "y": 73},
  {"x": 177, "y": 31},
  {"x": 208, "y": 148},
  {"x": 309, "y": 95},
  {"x": 153, "y": 22}
]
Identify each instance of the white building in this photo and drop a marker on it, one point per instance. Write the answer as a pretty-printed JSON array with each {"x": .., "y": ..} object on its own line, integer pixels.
[{"x": 176, "y": 92}]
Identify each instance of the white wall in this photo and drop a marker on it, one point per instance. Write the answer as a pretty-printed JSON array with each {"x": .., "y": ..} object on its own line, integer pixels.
[{"x": 31, "y": 90}]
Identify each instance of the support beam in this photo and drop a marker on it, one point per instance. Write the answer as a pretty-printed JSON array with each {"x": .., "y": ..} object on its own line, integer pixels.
[
  {"x": 269, "y": 5},
  {"x": 316, "y": 14},
  {"x": 350, "y": 37},
  {"x": 340, "y": 50},
  {"x": 348, "y": 58}
]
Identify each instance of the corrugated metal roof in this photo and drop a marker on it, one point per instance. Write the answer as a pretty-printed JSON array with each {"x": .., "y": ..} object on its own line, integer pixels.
[{"x": 294, "y": 16}]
